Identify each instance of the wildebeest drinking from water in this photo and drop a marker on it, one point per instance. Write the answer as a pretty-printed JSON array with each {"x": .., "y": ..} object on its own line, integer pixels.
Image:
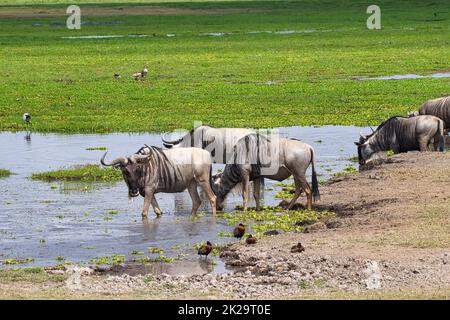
[
  {"x": 256, "y": 157},
  {"x": 152, "y": 170},
  {"x": 401, "y": 134},
  {"x": 218, "y": 141},
  {"x": 439, "y": 108}
]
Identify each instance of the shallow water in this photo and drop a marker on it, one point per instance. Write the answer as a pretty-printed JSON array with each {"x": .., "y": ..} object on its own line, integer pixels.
[
  {"x": 406, "y": 76},
  {"x": 46, "y": 220}
]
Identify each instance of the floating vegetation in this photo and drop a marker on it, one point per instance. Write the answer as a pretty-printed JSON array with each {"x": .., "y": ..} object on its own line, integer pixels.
[
  {"x": 89, "y": 172},
  {"x": 135, "y": 252},
  {"x": 109, "y": 260},
  {"x": 60, "y": 258},
  {"x": 17, "y": 261},
  {"x": 286, "y": 191},
  {"x": 349, "y": 169},
  {"x": 274, "y": 218},
  {"x": 222, "y": 233},
  {"x": 155, "y": 250},
  {"x": 4, "y": 173},
  {"x": 112, "y": 212},
  {"x": 163, "y": 259},
  {"x": 96, "y": 148},
  {"x": 175, "y": 247}
]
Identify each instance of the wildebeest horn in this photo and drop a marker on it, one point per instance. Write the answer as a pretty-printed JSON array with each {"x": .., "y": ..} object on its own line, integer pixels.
[
  {"x": 120, "y": 160},
  {"x": 166, "y": 141},
  {"x": 371, "y": 129},
  {"x": 362, "y": 136}
]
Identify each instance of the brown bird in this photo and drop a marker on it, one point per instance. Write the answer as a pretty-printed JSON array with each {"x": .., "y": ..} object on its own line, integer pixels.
[
  {"x": 140, "y": 75},
  {"x": 251, "y": 239},
  {"x": 205, "y": 249},
  {"x": 239, "y": 231},
  {"x": 297, "y": 248}
]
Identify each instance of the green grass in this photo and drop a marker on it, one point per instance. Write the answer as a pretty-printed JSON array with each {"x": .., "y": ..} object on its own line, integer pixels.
[
  {"x": 68, "y": 85},
  {"x": 4, "y": 173},
  {"x": 85, "y": 173},
  {"x": 34, "y": 275}
]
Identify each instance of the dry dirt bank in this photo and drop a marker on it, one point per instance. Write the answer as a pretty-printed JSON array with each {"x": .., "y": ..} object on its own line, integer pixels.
[{"x": 390, "y": 239}]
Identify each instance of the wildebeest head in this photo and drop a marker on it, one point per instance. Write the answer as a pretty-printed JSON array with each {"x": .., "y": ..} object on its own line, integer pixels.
[
  {"x": 220, "y": 198},
  {"x": 132, "y": 171},
  {"x": 364, "y": 149}
]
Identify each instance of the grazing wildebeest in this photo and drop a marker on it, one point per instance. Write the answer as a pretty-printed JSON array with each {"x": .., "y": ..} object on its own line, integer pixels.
[
  {"x": 439, "y": 108},
  {"x": 253, "y": 154},
  {"x": 218, "y": 141},
  {"x": 402, "y": 134},
  {"x": 152, "y": 170}
]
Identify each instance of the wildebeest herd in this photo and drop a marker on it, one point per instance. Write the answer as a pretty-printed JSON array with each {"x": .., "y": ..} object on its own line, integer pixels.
[{"x": 186, "y": 162}]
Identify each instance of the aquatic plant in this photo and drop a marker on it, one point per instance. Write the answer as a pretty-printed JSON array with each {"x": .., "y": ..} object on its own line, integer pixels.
[
  {"x": 109, "y": 260},
  {"x": 4, "y": 173},
  {"x": 155, "y": 250},
  {"x": 89, "y": 172},
  {"x": 135, "y": 252},
  {"x": 17, "y": 261},
  {"x": 96, "y": 148}
]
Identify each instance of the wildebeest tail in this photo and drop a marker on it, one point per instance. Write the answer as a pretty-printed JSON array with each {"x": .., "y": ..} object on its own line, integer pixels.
[
  {"x": 441, "y": 136},
  {"x": 315, "y": 183},
  {"x": 211, "y": 181}
]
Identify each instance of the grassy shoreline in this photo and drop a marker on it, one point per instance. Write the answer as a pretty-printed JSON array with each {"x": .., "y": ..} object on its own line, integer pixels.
[{"x": 238, "y": 80}]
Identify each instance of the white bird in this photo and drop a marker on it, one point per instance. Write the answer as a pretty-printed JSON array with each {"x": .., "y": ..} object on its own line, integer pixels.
[{"x": 26, "y": 118}]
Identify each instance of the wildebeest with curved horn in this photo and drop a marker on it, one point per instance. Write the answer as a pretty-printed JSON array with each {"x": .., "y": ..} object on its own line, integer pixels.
[
  {"x": 218, "y": 141},
  {"x": 256, "y": 157},
  {"x": 402, "y": 134},
  {"x": 152, "y": 170},
  {"x": 440, "y": 108}
]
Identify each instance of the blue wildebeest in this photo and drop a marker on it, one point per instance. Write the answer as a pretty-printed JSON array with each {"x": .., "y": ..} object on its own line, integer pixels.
[
  {"x": 218, "y": 141},
  {"x": 256, "y": 157},
  {"x": 402, "y": 134},
  {"x": 152, "y": 170},
  {"x": 439, "y": 108}
]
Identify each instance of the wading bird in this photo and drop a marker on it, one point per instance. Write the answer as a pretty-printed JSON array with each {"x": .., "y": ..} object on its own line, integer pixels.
[
  {"x": 297, "y": 248},
  {"x": 251, "y": 239},
  {"x": 239, "y": 231},
  {"x": 140, "y": 75},
  {"x": 205, "y": 249}
]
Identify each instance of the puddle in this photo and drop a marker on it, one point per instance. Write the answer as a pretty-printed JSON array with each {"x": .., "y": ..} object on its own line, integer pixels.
[
  {"x": 211, "y": 34},
  {"x": 405, "y": 76},
  {"x": 44, "y": 221}
]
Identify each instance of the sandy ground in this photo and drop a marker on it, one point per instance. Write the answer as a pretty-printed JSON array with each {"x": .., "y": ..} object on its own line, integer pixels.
[
  {"x": 92, "y": 11},
  {"x": 390, "y": 239}
]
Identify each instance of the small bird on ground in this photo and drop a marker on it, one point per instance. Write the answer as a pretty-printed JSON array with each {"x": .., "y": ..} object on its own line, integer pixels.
[
  {"x": 251, "y": 239},
  {"x": 297, "y": 248},
  {"x": 239, "y": 231},
  {"x": 140, "y": 75},
  {"x": 116, "y": 75},
  {"x": 26, "y": 118},
  {"x": 205, "y": 249}
]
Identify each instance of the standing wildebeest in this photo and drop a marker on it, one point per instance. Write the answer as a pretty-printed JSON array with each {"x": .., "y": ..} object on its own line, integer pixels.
[
  {"x": 402, "y": 134},
  {"x": 439, "y": 108},
  {"x": 152, "y": 170},
  {"x": 257, "y": 157},
  {"x": 218, "y": 141}
]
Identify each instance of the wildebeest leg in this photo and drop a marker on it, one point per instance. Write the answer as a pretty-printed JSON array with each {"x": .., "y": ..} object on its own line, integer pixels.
[
  {"x": 298, "y": 191},
  {"x": 210, "y": 194},
  {"x": 245, "y": 185},
  {"x": 196, "y": 201},
  {"x": 423, "y": 144},
  {"x": 156, "y": 206},
  {"x": 149, "y": 195},
  {"x": 257, "y": 192}
]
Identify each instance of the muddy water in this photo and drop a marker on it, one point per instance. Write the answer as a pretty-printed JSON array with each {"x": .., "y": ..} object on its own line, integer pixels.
[{"x": 43, "y": 220}]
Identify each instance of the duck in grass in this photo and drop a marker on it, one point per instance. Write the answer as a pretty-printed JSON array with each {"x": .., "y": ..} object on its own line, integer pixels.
[
  {"x": 239, "y": 231},
  {"x": 297, "y": 248},
  {"x": 251, "y": 239},
  {"x": 205, "y": 249},
  {"x": 140, "y": 75}
]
